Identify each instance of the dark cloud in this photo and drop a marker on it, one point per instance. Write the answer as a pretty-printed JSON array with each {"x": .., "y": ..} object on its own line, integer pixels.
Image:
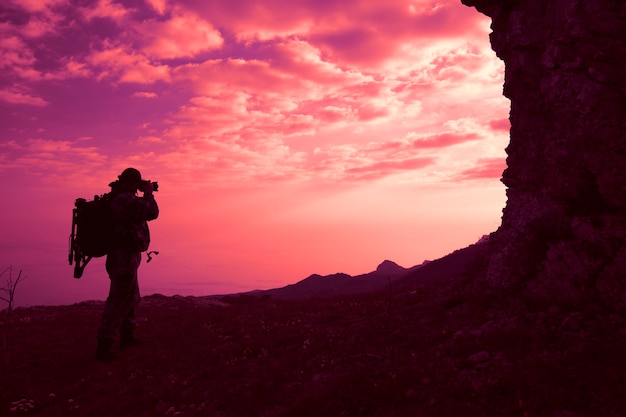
[
  {"x": 500, "y": 124},
  {"x": 444, "y": 140},
  {"x": 487, "y": 168},
  {"x": 382, "y": 169}
]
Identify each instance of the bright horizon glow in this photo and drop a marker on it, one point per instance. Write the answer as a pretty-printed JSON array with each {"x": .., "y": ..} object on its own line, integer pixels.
[{"x": 288, "y": 138}]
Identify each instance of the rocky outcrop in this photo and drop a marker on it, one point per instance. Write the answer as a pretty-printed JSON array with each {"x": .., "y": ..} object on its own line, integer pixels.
[{"x": 563, "y": 230}]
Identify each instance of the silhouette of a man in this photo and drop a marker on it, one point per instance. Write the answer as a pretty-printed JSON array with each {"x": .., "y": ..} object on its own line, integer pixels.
[{"x": 130, "y": 215}]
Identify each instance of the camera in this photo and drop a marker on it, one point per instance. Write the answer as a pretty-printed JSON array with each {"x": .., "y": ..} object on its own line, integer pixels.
[{"x": 155, "y": 185}]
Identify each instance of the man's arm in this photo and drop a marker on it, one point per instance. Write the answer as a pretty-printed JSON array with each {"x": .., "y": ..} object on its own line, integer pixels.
[{"x": 151, "y": 210}]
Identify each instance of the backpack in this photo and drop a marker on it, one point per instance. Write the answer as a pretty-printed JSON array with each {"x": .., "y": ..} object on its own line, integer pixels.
[{"x": 92, "y": 231}]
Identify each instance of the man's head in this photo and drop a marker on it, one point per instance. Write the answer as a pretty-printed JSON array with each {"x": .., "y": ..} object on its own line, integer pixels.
[{"x": 130, "y": 178}]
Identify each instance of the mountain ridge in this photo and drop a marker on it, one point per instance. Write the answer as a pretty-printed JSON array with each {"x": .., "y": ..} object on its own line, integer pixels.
[{"x": 386, "y": 274}]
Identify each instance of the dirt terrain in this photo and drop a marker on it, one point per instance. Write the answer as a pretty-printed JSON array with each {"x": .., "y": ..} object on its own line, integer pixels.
[{"x": 433, "y": 349}]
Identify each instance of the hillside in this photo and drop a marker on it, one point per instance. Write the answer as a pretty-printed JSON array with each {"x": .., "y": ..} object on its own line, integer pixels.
[
  {"x": 387, "y": 274},
  {"x": 438, "y": 347}
]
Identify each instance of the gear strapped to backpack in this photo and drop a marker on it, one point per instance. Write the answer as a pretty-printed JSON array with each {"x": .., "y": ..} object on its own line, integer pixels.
[{"x": 92, "y": 231}]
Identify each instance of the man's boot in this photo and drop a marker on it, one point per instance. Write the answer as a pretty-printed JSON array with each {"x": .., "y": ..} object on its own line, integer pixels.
[{"x": 104, "y": 351}]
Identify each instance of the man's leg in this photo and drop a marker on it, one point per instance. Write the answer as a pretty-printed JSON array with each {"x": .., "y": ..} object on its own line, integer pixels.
[
  {"x": 122, "y": 268},
  {"x": 127, "y": 331}
]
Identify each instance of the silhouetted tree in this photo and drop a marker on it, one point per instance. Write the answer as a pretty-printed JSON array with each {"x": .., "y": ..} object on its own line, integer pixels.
[{"x": 8, "y": 296}]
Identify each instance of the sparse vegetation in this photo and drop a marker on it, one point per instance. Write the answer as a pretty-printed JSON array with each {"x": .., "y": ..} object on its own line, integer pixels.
[{"x": 456, "y": 352}]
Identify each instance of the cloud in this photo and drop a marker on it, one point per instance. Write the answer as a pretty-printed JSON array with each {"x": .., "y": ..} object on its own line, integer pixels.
[
  {"x": 105, "y": 9},
  {"x": 381, "y": 169},
  {"x": 182, "y": 35},
  {"x": 352, "y": 33},
  {"x": 443, "y": 140},
  {"x": 305, "y": 61},
  {"x": 503, "y": 124},
  {"x": 150, "y": 140},
  {"x": 158, "y": 5},
  {"x": 39, "y": 26},
  {"x": 31, "y": 19},
  {"x": 257, "y": 21},
  {"x": 486, "y": 168},
  {"x": 380, "y": 158},
  {"x": 250, "y": 97},
  {"x": 414, "y": 142},
  {"x": 17, "y": 97},
  {"x": 17, "y": 58},
  {"x": 56, "y": 161},
  {"x": 229, "y": 163},
  {"x": 35, "y": 6},
  {"x": 252, "y": 76},
  {"x": 292, "y": 92},
  {"x": 393, "y": 19},
  {"x": 10, "y": 145},
  {"x": 62, "y": 151},
  {"x": 121, "y": 64},
  {"x": 251, "y": 89},
  {"x": 145, "y": 94}
]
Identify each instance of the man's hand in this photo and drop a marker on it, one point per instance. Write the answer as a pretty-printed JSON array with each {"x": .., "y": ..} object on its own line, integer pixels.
[{"x": 147, "y": 187}]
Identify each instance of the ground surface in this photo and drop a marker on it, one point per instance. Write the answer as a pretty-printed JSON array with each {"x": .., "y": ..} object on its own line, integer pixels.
[{"x": 429, "y": 350}]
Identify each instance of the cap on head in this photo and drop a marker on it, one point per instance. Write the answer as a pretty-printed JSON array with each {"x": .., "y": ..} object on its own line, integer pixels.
[{"x": 129, "y": 176}]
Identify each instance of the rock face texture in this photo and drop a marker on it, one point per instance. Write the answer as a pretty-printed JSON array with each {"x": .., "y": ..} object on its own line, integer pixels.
[{"x": 563, "y": 231}]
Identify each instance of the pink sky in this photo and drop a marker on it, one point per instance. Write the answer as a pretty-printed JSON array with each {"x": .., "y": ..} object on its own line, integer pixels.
[{"x": 288, "y": 137}]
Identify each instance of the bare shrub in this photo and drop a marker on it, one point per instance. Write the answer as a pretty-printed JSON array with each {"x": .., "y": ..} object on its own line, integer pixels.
[{"x": 7, "y": 294}]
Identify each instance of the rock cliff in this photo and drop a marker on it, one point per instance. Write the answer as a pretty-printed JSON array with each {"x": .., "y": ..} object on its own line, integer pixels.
[{"x": 563, "y": 230}]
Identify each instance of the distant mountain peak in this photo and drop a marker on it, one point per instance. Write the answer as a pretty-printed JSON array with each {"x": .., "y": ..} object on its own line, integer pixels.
[{"x": 389, "y": 267}]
